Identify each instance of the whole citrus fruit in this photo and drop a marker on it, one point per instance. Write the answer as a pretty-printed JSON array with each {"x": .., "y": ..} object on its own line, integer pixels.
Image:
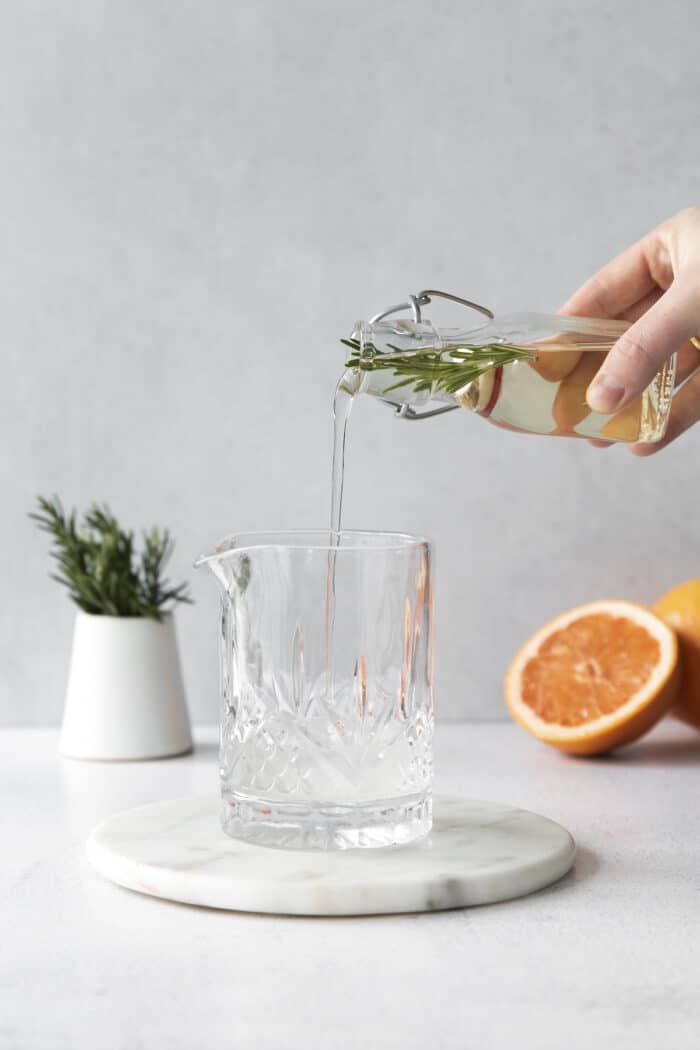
[{"x": 680, "y": 609}]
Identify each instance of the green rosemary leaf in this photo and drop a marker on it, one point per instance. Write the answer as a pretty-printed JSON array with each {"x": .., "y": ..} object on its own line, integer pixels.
[
  {"x": 97, "y": 562},
  {"x": 449, "y": 368}
]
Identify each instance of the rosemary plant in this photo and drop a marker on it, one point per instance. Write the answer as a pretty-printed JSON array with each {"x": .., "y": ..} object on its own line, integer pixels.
[
  {"x": 99, "y": 564},
  {"x": 448, "y": 368}
]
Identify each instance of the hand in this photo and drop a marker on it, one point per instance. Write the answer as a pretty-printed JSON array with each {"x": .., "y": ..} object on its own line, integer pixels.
[{"x": 655, "y": 284}]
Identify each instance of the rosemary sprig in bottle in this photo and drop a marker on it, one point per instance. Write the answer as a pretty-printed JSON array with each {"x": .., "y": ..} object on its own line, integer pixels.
[{"x": 449, "y": 368}]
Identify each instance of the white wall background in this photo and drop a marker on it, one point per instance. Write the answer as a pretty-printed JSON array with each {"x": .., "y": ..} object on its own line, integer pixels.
[{"x": 198, "y": 199}]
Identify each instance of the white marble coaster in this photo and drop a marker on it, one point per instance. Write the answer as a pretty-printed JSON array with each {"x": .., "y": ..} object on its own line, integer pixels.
[{"x": 477, "y": 853}]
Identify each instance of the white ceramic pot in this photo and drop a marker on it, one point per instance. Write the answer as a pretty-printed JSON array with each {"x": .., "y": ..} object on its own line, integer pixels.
[{"x": 125, "y": 698}]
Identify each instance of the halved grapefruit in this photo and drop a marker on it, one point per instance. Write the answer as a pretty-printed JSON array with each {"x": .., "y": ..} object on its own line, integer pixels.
[{"x": 595, "y": 677}]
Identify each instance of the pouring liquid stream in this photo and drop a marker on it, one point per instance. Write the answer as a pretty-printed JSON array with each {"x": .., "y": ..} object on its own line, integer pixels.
[{"x": 342, "y": 407}]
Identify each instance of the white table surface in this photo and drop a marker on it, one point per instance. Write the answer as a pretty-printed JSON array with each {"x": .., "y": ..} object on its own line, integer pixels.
[{"x": 609, "y": 957}]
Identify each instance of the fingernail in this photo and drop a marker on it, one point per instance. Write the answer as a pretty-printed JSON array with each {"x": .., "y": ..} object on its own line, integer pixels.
[{"x": 604, "y": 394}]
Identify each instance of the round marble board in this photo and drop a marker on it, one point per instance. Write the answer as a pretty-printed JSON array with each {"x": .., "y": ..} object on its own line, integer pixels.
[{"x": 477, "y": 853}]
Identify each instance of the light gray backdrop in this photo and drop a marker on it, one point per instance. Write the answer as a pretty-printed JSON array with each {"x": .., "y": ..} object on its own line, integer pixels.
[{"x": 198, "y": 199}]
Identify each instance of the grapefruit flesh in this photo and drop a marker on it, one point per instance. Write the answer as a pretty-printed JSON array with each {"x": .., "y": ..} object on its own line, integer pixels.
[{"x": 594, "y": 678}]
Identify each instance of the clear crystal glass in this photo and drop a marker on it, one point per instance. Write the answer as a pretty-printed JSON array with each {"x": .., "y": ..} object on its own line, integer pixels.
[{"x": 326, "y": 688}]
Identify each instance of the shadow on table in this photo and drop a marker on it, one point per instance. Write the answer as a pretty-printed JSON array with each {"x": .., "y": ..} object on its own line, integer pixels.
[{"x": 683, "y": 750}]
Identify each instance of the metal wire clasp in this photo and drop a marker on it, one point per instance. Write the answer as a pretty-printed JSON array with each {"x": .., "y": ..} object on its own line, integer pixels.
[{"x": 414, "y": 304}]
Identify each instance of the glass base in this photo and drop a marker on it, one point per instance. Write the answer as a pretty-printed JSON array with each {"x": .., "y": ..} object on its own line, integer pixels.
[{"x": 300, "y": 825}]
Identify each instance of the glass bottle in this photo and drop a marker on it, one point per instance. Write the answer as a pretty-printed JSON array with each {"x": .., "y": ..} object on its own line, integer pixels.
[{"x": 527, "y": 372}]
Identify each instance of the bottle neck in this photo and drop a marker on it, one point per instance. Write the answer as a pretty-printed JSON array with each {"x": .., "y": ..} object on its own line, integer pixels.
[
  {"x": 382, "y": 340},
  {"x": 396, "y": 336}
]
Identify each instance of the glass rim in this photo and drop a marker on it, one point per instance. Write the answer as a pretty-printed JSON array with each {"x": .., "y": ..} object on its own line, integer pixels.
[{"x": 323, "y": 540}]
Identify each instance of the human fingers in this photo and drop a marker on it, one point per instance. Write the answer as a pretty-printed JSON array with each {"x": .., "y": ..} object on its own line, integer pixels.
[
  {"x": 616, "y": 287},
  {"x": 688, "y": 355},
  {"x": 685, "y": 411},
  {"x": 688, "y": 363},
  {"x": 638, "y": 309},
  {"x": 639, "y": 353}
]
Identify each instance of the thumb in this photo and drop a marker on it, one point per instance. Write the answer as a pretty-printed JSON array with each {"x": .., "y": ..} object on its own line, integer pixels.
[{"x": 639, "y": 354}]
